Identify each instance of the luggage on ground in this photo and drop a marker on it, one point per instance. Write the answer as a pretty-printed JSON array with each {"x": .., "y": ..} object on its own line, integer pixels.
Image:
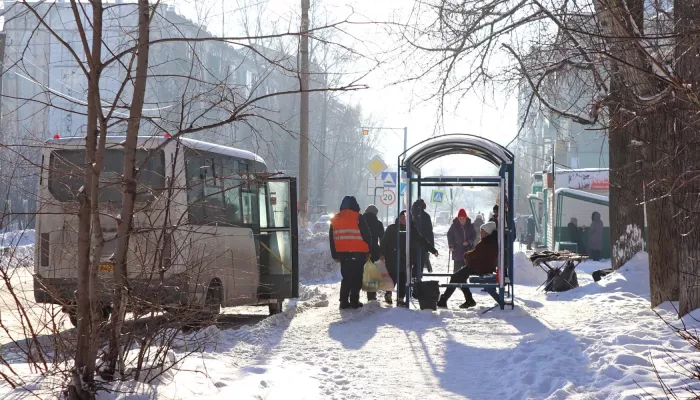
[{"x": 427, "y": 293}]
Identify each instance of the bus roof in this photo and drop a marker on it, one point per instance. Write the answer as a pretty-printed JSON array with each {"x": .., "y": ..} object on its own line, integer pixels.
[{"x": 191, "y": 143}]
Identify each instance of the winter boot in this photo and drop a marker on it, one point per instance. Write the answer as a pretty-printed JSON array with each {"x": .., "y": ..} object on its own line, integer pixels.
[
  {"x": 442, "y": 303},
  {"x": 401, "y": 303},
  {"x": 387, "y": 298},
  {"x": 356, "y": 305},
  {"x": 344, "y": 305},
  {"x": 469, "y": 303}
]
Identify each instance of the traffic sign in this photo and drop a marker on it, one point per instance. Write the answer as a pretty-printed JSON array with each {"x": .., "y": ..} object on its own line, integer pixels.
[
  {"x": 437, "y": 196},
  {"x": 389, "y": 179},
  {"x": 388, "y": 197},
  {"x": 376, "y": 165}
]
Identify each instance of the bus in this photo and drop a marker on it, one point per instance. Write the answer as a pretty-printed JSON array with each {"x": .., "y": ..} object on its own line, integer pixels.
[{"x": 212, "y": 227}]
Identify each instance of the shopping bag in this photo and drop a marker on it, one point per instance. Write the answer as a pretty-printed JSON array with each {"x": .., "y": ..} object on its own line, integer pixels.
[
  {"x": 387, "y": 284},
  {"x": 371, "y": 277}
]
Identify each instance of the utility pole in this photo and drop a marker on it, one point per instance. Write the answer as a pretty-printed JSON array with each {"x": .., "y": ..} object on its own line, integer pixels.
[{"x": 304, "y": 114}]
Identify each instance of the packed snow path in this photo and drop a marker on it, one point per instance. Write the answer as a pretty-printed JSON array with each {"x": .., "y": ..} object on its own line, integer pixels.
[{"x": 594, "y": 342}]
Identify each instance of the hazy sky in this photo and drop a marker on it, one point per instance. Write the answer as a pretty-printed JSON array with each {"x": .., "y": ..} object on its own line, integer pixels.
[{"x": 493, "y": 117}]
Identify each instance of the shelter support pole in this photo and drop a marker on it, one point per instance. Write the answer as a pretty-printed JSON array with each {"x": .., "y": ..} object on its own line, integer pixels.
[
  {"x": 511, "y": 210},
  {"x": 409, "y": 200}
]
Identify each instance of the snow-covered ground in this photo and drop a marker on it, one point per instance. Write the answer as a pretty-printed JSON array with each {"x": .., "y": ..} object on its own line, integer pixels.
[{"x": 593, "y": 342}]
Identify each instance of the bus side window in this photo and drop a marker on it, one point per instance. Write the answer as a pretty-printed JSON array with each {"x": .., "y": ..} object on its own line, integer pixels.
[
  {"x": 195, "y": 187},
  {"x": 232, "y": 191}
]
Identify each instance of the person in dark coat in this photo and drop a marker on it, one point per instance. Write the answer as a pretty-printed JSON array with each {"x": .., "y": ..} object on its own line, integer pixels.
[
  {"x": 572, "y": 230},
  {"x": 460, "y": 238},
  {"x": 530, "y": 231},
  {"x": 478, "y": 221},
  {"x": 595, "y": 237},
  {"x": 480, "y": 261},
  {"x": 388, "y": 251},
  {"x": 422, "y": 221},
  {"x": 350, "y": 241},
  {"x": 494, "y": 214},
  {"x": 376, "y": 228}
]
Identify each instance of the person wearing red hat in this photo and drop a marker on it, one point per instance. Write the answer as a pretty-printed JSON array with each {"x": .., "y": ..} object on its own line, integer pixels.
[{"x": 460, "y": 238}]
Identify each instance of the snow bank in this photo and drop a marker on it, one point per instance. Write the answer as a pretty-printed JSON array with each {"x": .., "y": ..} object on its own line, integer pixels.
[
  {"x": 17, "y": 238},
  {"x": 315, "y": 262},
  {"x": 524, "y": 273}
]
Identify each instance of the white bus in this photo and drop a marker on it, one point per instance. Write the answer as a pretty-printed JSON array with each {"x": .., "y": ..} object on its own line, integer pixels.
[{"x": 212, "y": 228}]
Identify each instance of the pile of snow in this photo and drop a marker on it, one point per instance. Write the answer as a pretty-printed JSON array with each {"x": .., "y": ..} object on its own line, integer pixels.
[
  {"x": 598, "y": 341},
  {"x": 524, "y": 273},
  {"x": 315, "y": 262},
  {"x": 17, "y": 238}
]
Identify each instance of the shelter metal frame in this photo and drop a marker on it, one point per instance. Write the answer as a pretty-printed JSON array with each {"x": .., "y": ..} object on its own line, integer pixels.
[{"x": 410, "y": 162}]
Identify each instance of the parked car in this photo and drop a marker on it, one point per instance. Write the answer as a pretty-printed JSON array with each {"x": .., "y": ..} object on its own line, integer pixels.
[{"x": 323, "y": 224}]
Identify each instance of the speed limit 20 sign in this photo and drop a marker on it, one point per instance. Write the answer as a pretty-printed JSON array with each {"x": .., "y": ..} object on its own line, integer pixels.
[{"x": 388, "y": 197}]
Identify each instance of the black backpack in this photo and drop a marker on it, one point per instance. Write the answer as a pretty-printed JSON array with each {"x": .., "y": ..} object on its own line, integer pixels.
[{"x": 561, "y": 280}]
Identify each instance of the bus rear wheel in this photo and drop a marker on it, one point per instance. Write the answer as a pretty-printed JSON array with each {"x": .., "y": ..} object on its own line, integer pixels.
[
  {"x": 276, "y": 307},
  {"x": 73, "y": 314}
]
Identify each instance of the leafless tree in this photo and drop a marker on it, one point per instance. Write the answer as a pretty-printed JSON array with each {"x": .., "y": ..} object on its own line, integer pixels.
[
  {"x": 139, "y": 69},
  {"x": 618, "y": 65}
]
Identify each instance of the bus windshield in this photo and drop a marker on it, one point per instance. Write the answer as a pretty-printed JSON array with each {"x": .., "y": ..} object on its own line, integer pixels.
[{"x": 66, "y": 174}]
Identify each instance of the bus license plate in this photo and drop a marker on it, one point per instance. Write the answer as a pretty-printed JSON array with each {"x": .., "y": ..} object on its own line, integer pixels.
[{"x": 105, "y": 267}]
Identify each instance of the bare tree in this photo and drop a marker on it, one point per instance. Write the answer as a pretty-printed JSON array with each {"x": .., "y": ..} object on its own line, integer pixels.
[{"x": 141, "y": 69}]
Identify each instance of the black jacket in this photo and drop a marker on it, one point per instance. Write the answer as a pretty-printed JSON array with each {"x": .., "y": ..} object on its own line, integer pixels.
[
  {"x": 376, "y": 229},
  {"x": 389, "y": 244}
]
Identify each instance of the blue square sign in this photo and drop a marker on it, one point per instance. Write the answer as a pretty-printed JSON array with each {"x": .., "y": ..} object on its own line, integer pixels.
[
  {"x": 389, "y": 179},
  {"x": 437, "y": 197}
]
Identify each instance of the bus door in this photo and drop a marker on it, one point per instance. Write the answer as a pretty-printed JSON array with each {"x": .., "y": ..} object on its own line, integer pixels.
[{"x": 278, "y": 239}]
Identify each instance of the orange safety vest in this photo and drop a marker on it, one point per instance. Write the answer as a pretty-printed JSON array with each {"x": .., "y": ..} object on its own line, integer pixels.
[{"x": 346, "y": 233}]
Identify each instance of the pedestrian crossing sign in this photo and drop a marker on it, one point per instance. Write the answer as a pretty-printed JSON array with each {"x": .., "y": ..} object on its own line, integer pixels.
[{"x": 437, "y": 196}]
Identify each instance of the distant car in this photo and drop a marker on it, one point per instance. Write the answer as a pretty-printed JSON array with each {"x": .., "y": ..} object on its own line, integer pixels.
[{"x": 323, "y": 224}]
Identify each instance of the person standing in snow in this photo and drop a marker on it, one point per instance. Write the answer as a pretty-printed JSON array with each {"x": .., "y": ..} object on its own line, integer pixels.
[
  {"x": 376, "y": 228},
  {"x": 460, "y": 238},
  {"x": 389, "y": 246},
  {"x": 530, "y": 231},
  {"x": 480, "y": 261},
  {"x": 572, "y": 230},
  {"x": 350, "y": 240},
  {"x": 421, "y": 219},
  {"x": 595, "y": 237},
  {"x": 478, "y": 221}
]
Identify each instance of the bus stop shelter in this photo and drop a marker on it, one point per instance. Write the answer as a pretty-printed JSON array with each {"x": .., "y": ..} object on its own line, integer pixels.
[{"x": 410, "y": 162}]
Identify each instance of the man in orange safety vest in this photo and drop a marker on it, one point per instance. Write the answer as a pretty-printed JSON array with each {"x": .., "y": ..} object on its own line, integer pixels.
[{"x": 350, "y": 240}]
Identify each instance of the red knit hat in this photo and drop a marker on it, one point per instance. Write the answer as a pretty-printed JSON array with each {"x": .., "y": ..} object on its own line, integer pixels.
[{"x": 462, "y": 213}]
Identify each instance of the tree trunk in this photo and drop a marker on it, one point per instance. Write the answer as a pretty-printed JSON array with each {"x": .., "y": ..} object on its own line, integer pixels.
[
  {"x": 89, "y": 229},
  {"x": 626, "y": 178},
  {"x": 304, "y": 114},
  {"x": 124, "y": 225},
  {"x": 648, "y": 123},
  {"x": 687, "y": 156}
]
